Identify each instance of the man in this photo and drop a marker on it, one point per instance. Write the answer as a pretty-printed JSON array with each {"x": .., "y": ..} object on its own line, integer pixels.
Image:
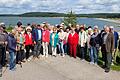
[
  {"x": 4, "y": 49},
  {"x": 37, "y": 37},
  {"x": 107, "y": 48},
  {"x": 3, "y": 43},
  {"x": 116, "y": 38}
]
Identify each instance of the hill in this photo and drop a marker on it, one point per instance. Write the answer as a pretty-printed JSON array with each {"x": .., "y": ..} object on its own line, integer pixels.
[{"x": 53, "y": 14}]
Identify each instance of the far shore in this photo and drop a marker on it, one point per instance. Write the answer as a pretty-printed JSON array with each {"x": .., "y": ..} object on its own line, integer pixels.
[{"x": 110, "y": 20}]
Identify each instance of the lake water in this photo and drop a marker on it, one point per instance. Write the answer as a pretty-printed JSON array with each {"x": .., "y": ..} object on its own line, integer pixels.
[{"x": 52, "y": 20}]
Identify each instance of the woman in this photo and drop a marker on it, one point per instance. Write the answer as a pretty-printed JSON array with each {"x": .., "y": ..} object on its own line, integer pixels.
[
  {"x": 73, "y": 42},
  {"x": 28, "y": 42},
  {"x": 54, "y": 41},
  {"x": 82, "y": 41},
  {"x": 88, "y": 40},
  {"x": 67, "y": 32},
  {"x": 45, "y": 40},
  {"x": 61, "y": 35},
  {"x": 12, "y": 49},
  {"x": 94, "y": 43},
  {"x": 20, "y": 46}
]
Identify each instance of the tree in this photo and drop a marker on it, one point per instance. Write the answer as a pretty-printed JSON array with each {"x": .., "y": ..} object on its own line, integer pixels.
[{"x": 70, "y": 18}]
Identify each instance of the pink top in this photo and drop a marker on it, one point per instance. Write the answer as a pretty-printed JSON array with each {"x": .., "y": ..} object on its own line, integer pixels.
[{"x": 46, "y": 36}]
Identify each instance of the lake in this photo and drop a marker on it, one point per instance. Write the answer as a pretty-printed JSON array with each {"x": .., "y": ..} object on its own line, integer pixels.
[{"x": 53, "y": 20}]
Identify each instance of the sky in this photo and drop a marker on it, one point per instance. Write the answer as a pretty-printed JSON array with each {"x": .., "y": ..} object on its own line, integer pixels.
[{"x": 61, "y": 6}]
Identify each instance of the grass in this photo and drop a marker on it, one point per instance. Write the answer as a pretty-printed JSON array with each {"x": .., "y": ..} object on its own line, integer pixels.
[{"x": 115, "y": 67}]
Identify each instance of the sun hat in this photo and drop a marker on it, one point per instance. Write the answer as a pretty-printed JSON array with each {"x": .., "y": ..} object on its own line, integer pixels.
[
  {"x": 95, "y": 27},
  {"x": 28, "y": 27}
]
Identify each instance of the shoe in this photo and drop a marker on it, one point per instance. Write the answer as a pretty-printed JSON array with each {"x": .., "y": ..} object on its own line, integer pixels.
[
  {"x": 43, "y": 55},
  {"x": 23, "y": 61},
  {"x": 107, "y": 70},
  {"x": 82, "y": 59},
  {"x": 28, "y": 60},
  {"x": 54, "y": 55},
  {"x": 13, "y": 69},
  {"x": 112, "y": 64},
  {"x": 59, "y": 54},
  {"x": 46, "y": 56},
  {"x": 63, "y": 56},
  {"x": 96, "y": 64},
  {"x": 92, "y": 63}
]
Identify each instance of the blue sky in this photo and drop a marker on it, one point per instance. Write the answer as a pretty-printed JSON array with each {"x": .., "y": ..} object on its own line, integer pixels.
[{"x": 62, "y": 6}]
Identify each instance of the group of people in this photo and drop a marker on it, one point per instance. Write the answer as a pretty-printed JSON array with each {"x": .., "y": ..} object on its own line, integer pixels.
[{"x": 42, "y": 40}]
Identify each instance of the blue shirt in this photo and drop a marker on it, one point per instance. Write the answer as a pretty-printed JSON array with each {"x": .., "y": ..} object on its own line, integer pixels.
[{"x": 39, "y": 35}]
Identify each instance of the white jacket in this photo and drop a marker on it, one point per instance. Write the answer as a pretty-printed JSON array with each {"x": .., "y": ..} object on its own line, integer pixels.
[{"x": 82, "y": 38}]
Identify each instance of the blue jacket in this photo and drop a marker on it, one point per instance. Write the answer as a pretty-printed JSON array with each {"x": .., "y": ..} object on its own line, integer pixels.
[
  {"x": 56, "y": 39},
  {"x": 11, "y": 42},
  {"x": 116, "y": 37},
  {"x": 35, "y": 34}
]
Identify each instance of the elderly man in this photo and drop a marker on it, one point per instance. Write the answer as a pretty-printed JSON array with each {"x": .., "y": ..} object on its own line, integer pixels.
[
  {"x": 116, "y": 38},
  {"x": 3, "y": 43},
  {"x": 107, "y": 47}
]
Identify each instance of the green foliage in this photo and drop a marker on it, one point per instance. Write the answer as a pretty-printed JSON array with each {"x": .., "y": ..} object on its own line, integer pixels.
[
  {"x": 9, "y": 29},
  {"x": 70, "y": 18}
]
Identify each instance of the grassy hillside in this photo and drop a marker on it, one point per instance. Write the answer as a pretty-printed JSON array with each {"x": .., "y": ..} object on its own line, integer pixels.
[{"x": 53, "y": 14}]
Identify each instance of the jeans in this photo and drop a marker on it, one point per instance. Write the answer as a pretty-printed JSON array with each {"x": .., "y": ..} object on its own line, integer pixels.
[
  {"x": 12, "y": 59},
  {"x": 82, "y": 52},
  {"x": 61, "y": 49},
  {"x": 45, "y": 48},
  {"x": 94, "y": 54},
  {"x": 66, "y": 48},
  {"x": 37, "y": 48}
]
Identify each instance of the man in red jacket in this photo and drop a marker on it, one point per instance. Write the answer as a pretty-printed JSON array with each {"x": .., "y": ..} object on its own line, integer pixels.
[{"x": 73, "y": 41}]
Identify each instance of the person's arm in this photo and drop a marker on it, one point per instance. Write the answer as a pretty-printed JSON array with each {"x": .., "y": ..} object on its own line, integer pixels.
[{"x": 112, "y": 42}]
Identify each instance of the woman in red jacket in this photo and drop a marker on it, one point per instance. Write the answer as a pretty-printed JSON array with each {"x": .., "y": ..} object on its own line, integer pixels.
[
  {"x": 73, "y": 42},
  {"x": 28, "y": 42},
  {"x": 45, "y": 40}
]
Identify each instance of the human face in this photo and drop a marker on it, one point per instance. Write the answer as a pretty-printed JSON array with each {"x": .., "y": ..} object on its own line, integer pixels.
[
  {"x": 107, "y": 29},
  {"x": 77, "y": 27},
  {"x": 28, "y": 30},
  {"x": 72, "y": 29},
  {"x": 54, "y": 30},
  {"x": 95, "y": 30},
  {"x": 67, "y": 30}
]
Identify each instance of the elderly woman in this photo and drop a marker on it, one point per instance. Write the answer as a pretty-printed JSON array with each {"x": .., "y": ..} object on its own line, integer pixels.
[
  {"x": 54, "y": 41},
  {"x": 28, "y": 42},
  {"x": 94, "y": 43},
  {"x": 82, "y": 41},
  {"x": 12, "y": 49},
  {"x": 73, "y": 41},
  {"x": 45, "y": 40},
  {"x": 61, "y": 35}
]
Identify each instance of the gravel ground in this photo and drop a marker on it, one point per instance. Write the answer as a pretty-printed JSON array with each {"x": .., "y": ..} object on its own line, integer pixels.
[{"x": 58, "y": 68}]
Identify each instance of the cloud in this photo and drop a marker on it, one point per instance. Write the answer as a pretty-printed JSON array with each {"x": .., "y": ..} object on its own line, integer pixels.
[{"x": 78, "y": 6}]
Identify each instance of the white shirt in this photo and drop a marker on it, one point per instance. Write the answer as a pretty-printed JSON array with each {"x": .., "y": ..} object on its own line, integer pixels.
[{"x": 61, "y": 35}]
